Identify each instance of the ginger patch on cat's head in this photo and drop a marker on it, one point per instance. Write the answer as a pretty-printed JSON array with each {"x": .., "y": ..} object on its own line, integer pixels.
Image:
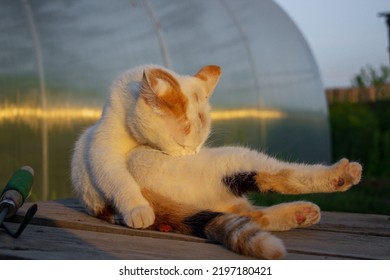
[{"x": 161, "y": 90}]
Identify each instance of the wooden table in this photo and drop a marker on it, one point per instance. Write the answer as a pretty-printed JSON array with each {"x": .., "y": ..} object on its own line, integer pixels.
[{"x": 62, "y": 230}]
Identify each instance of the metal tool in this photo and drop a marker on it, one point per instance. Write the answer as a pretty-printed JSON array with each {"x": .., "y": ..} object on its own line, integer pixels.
[{"x": 14, "y": 195}]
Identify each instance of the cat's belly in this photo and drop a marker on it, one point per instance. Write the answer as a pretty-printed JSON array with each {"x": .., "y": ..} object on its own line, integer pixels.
[{"x": 183, "y": 179}]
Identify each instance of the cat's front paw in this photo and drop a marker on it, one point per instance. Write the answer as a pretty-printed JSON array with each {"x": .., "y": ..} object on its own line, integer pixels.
[
  {"x": 345, "y": 174},
  {"x": 140, "y": 217}
]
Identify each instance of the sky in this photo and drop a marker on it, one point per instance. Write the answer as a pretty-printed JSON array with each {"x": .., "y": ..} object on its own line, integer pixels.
[{"x": 344, "y": 35}]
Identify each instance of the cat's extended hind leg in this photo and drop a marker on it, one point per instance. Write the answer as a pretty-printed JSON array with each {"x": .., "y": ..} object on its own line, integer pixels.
[
  {"x": 291, "y": 178},
  {"x": 298, "y": 179},
  {"x": 281, "y": 217}
]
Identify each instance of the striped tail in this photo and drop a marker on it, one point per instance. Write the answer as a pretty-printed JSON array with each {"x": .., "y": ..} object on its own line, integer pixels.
[{"x": 237, "y": 233}]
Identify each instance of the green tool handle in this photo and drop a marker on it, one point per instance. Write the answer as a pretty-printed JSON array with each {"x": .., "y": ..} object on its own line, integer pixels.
[{"x": 21, "y": 181}]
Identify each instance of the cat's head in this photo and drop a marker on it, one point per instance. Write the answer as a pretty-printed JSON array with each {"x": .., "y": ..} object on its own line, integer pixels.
[{"x": 172, "y": 113}]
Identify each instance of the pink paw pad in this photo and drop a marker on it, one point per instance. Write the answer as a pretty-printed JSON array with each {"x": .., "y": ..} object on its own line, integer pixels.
[
  {"x": 299, "y": 218},
  {"x": 338, "y": 183},
  {"x": 308, "y": 215}
]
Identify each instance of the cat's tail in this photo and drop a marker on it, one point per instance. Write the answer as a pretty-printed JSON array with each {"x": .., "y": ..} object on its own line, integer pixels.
[{"x": 237, "y": 233}]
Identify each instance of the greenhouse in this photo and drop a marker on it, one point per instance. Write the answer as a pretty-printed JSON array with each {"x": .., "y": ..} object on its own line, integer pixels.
[{"x": 58, "y": 59}]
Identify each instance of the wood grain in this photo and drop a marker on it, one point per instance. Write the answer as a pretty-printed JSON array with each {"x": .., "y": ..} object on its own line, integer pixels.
[{"x": 62, "y": 230}]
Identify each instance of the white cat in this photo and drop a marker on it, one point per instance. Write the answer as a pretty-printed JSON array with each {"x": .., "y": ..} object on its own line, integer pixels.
[
  {"x": 144, "y": 161},
  {"x": 146, "y": 105}
]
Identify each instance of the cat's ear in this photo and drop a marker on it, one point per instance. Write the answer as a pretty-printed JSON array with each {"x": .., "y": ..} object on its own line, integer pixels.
[
  {"x": 148, "y": 88},
  {"x": 210, "y": 75},
  {"x": 162, "y": 91}
]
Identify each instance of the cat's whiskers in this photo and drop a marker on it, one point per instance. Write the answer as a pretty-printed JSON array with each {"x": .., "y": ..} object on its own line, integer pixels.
[{"x": 216, "y": 135}]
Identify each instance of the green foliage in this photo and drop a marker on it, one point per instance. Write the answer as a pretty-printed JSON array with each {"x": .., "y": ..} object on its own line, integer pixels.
[
  {"x": 362, "y": 132},
  {"x": 371, "y": 77}
]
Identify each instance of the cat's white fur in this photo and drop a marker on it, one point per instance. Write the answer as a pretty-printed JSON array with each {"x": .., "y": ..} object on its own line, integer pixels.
[
  {"x": 137, "y": 111},
  {"x": 198, "y": 179}
]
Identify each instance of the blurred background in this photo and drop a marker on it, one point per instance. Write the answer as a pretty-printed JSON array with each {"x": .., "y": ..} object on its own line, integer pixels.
[{"x": 306, "y": 100}]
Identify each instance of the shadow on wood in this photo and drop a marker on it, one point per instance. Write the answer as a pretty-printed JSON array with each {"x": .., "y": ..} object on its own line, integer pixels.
[{"x": 63, "y": 230}]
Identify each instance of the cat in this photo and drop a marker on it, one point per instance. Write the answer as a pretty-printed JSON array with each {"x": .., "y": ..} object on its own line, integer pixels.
[
  {"x": 146, "y": 105},
  {"x": 203, "y": 194},
  {"x": 144, "y": 164}
]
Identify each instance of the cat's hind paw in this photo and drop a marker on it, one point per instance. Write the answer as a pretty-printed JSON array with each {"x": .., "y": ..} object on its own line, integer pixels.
[
  {"x": 140, "y": 217},
  {"x": 307, "y": 214},
  {"x": 290, "y": 215},
  {"x": 345, "y": 175}
]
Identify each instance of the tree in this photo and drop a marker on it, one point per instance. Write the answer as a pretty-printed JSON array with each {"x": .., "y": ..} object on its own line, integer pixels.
[{"x": 371, "y": 77}]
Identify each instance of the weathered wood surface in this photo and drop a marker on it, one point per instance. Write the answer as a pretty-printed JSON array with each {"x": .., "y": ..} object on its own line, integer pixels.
[{"x": 62, "y": 230}]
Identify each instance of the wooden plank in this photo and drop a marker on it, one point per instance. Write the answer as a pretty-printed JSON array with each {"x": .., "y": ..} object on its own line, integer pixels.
[
  {"x": 41, "y": 242},
  {"x": 336, "y": 244},
  {"x": 378, "y": 225},
  {"x": 70, "y": 214},
  {"x": 338, "y": 235}
]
